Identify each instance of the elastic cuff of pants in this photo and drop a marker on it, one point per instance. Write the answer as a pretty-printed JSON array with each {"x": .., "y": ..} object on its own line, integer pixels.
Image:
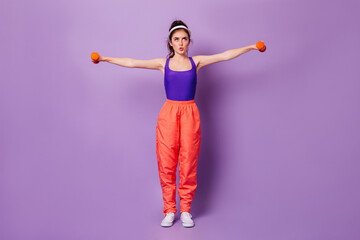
[
  {"x": 185, "y": 210},
  {"x": 173, "y": 211}
]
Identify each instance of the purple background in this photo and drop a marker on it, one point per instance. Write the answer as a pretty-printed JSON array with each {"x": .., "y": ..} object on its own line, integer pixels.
[{"x": 280, "y": 130}]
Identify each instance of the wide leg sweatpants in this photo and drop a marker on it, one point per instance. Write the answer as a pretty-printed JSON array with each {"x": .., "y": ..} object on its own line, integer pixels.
[{"x": 178, "y": 137}]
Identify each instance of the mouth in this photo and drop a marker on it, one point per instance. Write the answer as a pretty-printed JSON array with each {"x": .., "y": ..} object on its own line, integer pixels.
[{"x": 181, "y": 49}]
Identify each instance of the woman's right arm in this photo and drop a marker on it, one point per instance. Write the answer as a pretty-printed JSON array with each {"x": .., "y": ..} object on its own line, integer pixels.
[{"x": 134, "y": 63}]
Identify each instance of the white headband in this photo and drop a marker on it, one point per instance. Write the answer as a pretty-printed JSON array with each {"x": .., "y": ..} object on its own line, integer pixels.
[{"x": 180, "y": 26}]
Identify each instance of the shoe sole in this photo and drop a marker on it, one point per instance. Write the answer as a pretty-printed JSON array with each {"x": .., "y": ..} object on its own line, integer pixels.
[
  {"x": 188, "y": 226},
  {"x": 167, "y": 225}
]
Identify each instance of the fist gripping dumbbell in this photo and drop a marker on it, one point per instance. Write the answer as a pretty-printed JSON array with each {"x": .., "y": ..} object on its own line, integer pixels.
[
  {"x": 261, "y": 46},
  {"x": 95, "y": 57}
]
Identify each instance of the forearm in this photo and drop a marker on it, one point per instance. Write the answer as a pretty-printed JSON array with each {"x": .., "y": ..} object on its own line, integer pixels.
[
  {"x": 124, "y": 62},
  {"x": 233, "y": 53}
]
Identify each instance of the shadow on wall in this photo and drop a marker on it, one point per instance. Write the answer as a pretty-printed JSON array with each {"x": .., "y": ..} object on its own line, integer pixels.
[
  {"x": 208, "y": 92},
  {"x": 207, "y": 168}
]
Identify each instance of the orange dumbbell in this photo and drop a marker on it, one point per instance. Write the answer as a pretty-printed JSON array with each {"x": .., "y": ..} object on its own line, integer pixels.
[
  {"x": 95, "y": 57},
  {"x": 261, "y": 46}
]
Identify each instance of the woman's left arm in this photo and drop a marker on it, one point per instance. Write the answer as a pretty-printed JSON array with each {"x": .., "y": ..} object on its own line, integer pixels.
[
  {"x": 204, "y": 60},
  {"x": 233, "y": 53}
]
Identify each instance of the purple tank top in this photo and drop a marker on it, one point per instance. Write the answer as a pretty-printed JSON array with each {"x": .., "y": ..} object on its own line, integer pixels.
[{"x": 180, "y": 85}]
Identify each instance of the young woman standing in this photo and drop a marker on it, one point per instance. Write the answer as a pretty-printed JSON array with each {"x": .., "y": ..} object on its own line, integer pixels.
[{"x": 178, "y": 130}]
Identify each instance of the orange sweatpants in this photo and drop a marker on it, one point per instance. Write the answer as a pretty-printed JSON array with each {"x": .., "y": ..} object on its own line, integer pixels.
[{"x": 178, "y": 137}]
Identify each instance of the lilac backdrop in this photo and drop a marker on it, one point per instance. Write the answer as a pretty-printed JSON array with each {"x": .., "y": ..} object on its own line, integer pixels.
[{"x": 280, "y": 130}]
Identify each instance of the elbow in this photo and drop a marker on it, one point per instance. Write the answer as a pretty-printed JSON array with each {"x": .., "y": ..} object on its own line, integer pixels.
[
  {"x": 130, "y": 62},
  {"x": 226, "y": 56}
]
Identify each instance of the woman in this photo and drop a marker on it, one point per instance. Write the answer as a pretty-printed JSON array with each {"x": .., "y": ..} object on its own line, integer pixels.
[{"x": 178, "y": 133}]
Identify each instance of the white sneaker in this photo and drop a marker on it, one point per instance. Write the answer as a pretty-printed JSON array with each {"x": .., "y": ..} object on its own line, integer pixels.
[
  {"x": 168, "y": 220},
  {"x": 186, "y": 219}
]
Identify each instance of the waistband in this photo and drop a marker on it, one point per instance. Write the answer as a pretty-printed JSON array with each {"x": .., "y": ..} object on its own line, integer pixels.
[{"x": 180, "y": 102}]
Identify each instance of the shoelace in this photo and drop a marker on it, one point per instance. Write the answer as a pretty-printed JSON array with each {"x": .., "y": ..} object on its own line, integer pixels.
[{"x": 187, "y": 215}]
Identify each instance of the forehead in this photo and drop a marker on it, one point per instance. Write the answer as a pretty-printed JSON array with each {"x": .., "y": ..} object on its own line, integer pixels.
[{"x": 179, "y": 33}]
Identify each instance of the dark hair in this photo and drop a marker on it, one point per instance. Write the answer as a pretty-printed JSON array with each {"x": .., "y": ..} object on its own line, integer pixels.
[{"x": 175, "y": 23}]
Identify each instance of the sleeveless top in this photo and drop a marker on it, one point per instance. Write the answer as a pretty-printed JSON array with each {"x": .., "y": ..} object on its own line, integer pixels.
[{"x": 180, "y": 85}]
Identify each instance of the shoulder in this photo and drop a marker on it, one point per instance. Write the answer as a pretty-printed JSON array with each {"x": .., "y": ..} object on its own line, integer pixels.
[
  {"x": 196, "y": 59},
  {"x": 161, "y": 61}
]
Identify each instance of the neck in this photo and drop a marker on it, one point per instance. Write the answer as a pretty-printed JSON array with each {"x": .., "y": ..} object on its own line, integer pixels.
[{"x": 180, "y": 57}]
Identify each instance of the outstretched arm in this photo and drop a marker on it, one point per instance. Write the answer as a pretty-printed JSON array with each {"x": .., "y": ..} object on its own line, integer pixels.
[
  {"x": 233, "y": 53},
  {"x": 133, "y": 63},
  {"x": 224, "y": 56}
]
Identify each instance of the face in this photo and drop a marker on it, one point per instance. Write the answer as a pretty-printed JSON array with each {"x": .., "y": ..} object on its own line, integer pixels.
[{"x": 180, "y": 41}]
